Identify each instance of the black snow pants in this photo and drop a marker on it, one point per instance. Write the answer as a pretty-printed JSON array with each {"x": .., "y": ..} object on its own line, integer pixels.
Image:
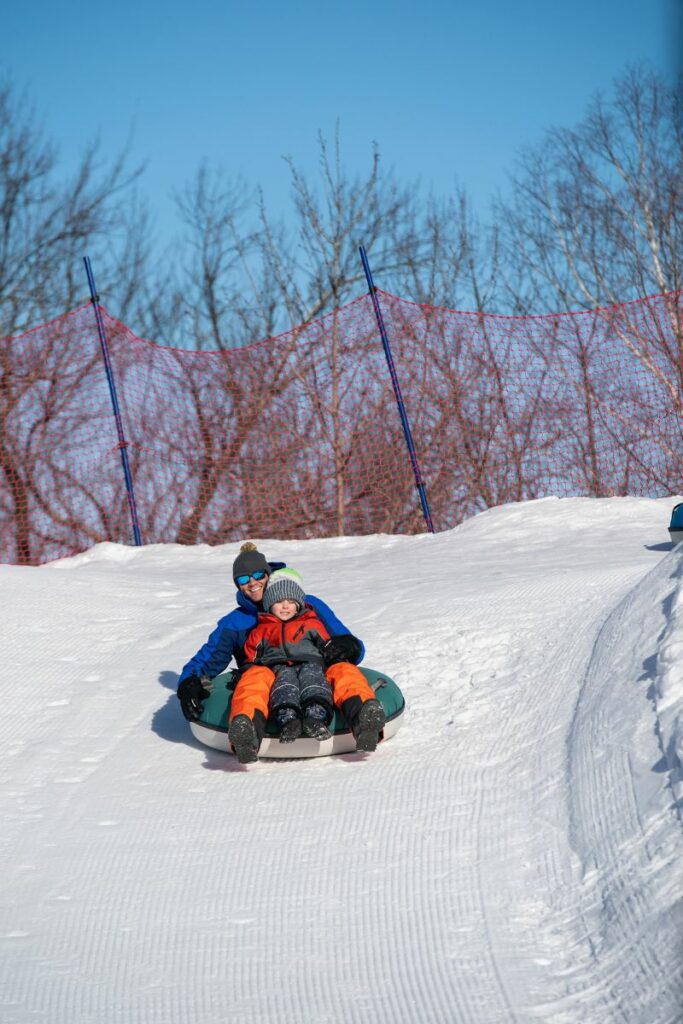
[{"x": 298, "y": 686}]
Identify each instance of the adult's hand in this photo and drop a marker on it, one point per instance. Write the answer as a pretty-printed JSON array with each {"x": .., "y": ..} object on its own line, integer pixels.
[
  {"x": 191, "y": 693},
  {"x": 343, "y": 647}
]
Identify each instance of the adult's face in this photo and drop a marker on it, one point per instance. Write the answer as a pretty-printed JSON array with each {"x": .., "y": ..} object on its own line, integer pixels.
[{"x": 254, "y": 589}]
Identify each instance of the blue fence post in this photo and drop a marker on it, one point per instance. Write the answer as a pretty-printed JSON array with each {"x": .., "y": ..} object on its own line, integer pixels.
[
  {"x": 123, "y": 444},
  {"x": 397, "y": 392}
]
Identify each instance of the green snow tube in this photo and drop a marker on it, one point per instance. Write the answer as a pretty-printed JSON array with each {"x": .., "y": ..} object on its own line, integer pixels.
[{"x": 212, "y": 728}]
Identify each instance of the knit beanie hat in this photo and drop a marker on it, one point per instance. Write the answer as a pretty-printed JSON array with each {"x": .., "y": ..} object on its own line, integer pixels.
[
  {"x": 284, "y": 584},
  {"x": 249, "y": 560}
]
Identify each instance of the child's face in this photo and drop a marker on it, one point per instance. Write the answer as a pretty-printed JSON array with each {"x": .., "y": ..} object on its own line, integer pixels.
[{"x": 284, "y": 610}]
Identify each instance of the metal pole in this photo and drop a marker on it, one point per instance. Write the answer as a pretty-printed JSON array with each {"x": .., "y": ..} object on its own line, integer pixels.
[
  {"x": 397, "y": 392},
  {"x": 123, "y": 444}
]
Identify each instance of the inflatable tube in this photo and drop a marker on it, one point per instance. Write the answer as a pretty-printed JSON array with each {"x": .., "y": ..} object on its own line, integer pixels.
[
  {"x": 212, "y": 727},
  {"x": 676, "y": 524}
]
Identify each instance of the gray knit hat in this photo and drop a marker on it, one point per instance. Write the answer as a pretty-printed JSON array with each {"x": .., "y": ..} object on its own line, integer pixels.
[
  {"x": 284, "y": 584},
  {"x": 248, "y": 561}
]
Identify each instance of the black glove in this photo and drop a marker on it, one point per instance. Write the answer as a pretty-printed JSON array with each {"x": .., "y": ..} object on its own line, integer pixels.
[
  {"x": 191, "y": 693},
  {"x": 343, "y": 647}
]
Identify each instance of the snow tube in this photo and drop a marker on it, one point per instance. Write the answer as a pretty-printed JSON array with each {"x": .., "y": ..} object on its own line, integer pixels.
[
  {"x": 676, "y": 524},
  {"x": 212, "y": 727}
]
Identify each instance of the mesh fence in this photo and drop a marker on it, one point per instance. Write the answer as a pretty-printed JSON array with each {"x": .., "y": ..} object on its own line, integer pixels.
[{"x": 299, "y": 435}]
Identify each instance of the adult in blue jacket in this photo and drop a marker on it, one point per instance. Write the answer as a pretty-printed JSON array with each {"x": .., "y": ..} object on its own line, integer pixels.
[{"x": 250, "y": 572}]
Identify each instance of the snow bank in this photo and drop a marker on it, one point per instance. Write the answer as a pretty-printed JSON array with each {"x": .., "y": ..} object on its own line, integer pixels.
[{"x": 669, "y": 685}]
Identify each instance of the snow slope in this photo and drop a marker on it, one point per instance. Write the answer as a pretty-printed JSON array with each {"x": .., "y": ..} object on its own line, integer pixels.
[{"x": 512, "y": 855}]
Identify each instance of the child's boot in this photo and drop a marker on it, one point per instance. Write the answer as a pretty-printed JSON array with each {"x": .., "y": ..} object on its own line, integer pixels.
[
  {"x": 242, "y": 735},
  {"x": 290, "y": 731},
  {"x": 315, "y": 723},
  {"x": 290, "y": 725},
  {"x": 371, "y": 720}
]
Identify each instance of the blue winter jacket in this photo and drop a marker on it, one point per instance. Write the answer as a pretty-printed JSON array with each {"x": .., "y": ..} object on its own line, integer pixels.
[{"x": 227, "y": 640}]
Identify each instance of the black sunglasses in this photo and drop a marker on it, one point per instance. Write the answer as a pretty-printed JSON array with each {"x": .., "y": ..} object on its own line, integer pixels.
[{"x": 242, "y": 580}]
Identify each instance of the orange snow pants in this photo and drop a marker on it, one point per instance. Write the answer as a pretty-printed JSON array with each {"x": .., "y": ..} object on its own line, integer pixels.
[{"x": 253, "y": 688}]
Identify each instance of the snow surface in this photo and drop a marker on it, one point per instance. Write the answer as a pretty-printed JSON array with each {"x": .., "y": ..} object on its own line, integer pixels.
[{"x": 514, "y": 854}]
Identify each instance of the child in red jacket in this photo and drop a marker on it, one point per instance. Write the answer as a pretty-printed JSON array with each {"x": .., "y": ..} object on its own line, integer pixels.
[{"x": 285, "y": 650}]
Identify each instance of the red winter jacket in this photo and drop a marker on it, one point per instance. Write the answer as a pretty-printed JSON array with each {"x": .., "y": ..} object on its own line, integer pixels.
[{"x": 272, "y": 642}]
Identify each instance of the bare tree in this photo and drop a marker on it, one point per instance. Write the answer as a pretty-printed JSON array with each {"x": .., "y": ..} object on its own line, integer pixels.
[
  {"x": 48, "y": 222},
  {"x": 51, "y": 379},
  {"x": 316, "y": 266},
  {"x": 596, "y": 218},
  {"x": 596, "y": 214},
  {"x": 52, "y": 442},
  {"x": 245, "y": 275}
]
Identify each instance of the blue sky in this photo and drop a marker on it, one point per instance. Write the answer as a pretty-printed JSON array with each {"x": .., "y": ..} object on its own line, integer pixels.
[{"x": 450, "y": 91}]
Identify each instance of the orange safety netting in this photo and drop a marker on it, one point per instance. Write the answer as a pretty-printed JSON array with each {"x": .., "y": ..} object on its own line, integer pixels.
[{"x": 300, "y": 436}]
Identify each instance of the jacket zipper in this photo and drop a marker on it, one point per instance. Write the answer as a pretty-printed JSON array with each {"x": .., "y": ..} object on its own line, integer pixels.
[{"x": 282, "y": 632}]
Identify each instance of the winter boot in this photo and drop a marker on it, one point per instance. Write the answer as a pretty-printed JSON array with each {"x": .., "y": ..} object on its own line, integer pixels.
[
  {"x": 316, "y": 730},
  {"x": 315, "y": 722},
  {"x": 370, "y": 722},
  {"x": 290, "y": 731},
  {"x": 242, "y": 735}
]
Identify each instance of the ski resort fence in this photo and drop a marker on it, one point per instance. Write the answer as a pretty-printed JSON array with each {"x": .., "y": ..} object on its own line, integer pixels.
[{"x": 299, "y": 435}]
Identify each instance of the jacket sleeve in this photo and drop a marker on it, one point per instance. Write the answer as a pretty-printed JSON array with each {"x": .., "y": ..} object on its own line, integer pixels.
[
  {"x": 334, "y": 626},
  {"x": 251, "y": 643},
  {"x": 216, "y": 654}
]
